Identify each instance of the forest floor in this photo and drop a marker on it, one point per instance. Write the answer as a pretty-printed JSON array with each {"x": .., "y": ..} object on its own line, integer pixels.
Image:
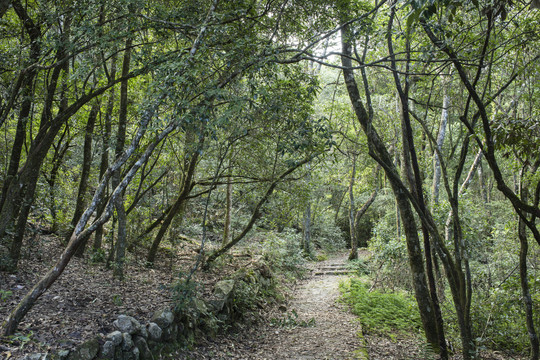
[{"x": 311, "y": 324}]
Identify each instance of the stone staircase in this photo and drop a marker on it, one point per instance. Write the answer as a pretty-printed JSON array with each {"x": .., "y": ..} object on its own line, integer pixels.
[{"x": 332, "y": 269}]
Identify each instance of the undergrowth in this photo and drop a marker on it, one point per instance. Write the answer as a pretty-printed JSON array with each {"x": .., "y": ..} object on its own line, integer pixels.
[{"x": 379, "y": 312}]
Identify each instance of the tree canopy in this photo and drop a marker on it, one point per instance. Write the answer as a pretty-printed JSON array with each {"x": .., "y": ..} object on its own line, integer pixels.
[{"x": 411, "y": 128}]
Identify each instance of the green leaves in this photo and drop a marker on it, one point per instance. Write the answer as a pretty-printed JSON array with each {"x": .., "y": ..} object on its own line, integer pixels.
[
  {"x": 517, "y": 136},
  {"x": 379, "y": 312}
]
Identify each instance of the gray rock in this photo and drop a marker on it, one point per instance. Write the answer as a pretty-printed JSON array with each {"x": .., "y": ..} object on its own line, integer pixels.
[
  {"x": 127, "y": 324},
  {"x": 144, "y": 350},
  {"x": 143, "y": 332},
  {"x": 136, "y": 353},
  {"x": 107, "y": 350},
  {"x": 86, "y": 351},
  {"x": 223, "y": 291},
  {"x": 154, "y": 331},
  {"x": 63, "y": 354},
  {"x": 115, "y": 337},
  {"x": 200, "y": 306},
  {"x": 127, "y": 342},
  {"x": 37, "y": 356},
  {"x": 163, "y": 318}
]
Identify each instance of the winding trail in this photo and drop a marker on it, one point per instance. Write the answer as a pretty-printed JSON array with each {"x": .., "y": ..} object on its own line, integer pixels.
[{"x": 331, "y": 331}]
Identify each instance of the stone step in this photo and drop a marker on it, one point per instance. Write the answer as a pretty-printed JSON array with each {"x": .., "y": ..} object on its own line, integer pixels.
[
  {"x": 332, "y": 268},
  {"x": 332, "y": 272}
]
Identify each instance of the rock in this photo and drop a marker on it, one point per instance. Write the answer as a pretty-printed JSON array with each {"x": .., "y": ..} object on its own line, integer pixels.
[
  {"x": 127, "y": 342},
  {"x": 223, "y": 292},
  {"x": 107, "y": 350},
  {"x": 115, "y": 337},
  {"x": 154, "y": 331},
  {"x": 144, "y": 350},
  {"x": 136, "y": 353},
  {"x": 37, "y": 356},
  {"x": 143, "y": 332},
  {"x": 200, "y": 306},
  {"x": 127, "y": 324},
  {"x": 63, "y": 354},
  {"x": 163, "y": 318},
  {"x": 223, "y": 289},
  {"x": 86, "y": 351}
]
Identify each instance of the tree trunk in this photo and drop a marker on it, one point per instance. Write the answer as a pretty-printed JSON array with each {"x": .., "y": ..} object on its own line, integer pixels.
[
  {"x": 228, "y": 211},
  {"x": 527, "y": 299},
  {"x": 525, "y": 290},
  {"x": 352, "y": 225},
  {"x": 440, "y": 141},
  {"x": 60, "y": 150},
  {"x": 379, "y": 152},
  {"x": 119, "y": 149},
  {"x": 80, "y": 233},
  {"x": 361, "y": 213},
  {"x": 306, "y": 236},
  {"x": 179, "y": 205},
  {"x": 85, "y": 173},
  {"x": 4, "y": 6},
  {"x": 105, "y": 144},
  {"x": 482, "y": 182},
  {"x": 27, "y": 94},
  {"x": 413, "y": 174}
]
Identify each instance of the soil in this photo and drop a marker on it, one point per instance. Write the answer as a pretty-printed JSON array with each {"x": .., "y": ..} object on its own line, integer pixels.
[{"x": 86, "y": 299}]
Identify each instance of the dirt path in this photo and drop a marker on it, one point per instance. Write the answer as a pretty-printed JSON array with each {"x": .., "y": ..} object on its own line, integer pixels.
[
  {"x": 313, "y": 326},
  {"x": 324, "y": 328}
]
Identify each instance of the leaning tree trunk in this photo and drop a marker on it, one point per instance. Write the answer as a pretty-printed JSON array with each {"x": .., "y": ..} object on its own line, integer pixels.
[
  {"x": 380, "y": 153},
  {"x": 178, "y": 207},
  {"x": 415, "y": 181},
  {"x": 80, "y": 233},
  {"x": 361, "y": 213}
]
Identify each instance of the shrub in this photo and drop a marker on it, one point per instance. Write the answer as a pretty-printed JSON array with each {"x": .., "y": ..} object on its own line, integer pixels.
[{"x": 282, "y": 250}]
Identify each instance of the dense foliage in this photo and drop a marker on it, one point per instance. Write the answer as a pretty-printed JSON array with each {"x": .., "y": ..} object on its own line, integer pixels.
[{"x": 410, "y": 128}]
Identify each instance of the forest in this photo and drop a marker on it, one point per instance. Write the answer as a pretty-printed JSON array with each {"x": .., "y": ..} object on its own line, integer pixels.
[{"x": 135, "y": 133}]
